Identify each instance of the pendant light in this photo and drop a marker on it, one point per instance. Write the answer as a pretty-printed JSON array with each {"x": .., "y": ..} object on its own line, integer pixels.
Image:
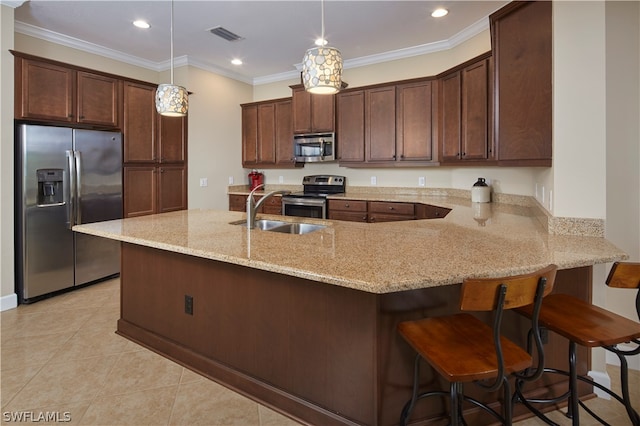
[
  {"x": 322, "y": 67},
  {"x": 172, "y": 100}
]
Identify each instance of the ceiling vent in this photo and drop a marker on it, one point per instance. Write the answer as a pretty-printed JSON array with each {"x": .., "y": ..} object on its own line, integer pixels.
[{"x": 225, "y": 34}]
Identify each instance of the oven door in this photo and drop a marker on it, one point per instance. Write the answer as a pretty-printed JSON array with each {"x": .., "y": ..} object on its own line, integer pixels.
[{"x": 304, "y": 207}]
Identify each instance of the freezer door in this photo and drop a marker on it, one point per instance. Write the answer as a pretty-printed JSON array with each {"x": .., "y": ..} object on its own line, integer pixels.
[
  {"x": 44, "y": 242},
  {"x": 98, "y": 158}
]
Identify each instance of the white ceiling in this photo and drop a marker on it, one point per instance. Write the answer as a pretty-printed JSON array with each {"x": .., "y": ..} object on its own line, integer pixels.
[{"x": 275, "y": 33}]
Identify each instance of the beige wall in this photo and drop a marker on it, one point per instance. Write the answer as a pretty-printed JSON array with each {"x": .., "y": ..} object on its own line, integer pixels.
[{"x": 6, "y": 158}]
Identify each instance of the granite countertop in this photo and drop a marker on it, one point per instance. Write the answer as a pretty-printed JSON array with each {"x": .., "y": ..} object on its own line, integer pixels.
[{"x": 479, "y": 240}]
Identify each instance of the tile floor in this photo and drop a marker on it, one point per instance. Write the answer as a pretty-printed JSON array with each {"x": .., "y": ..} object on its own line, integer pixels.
[{"x": 60, "y": 357}]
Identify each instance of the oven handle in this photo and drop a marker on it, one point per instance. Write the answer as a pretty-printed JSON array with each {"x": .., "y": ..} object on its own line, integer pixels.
[{"x": 304, "y": 201}]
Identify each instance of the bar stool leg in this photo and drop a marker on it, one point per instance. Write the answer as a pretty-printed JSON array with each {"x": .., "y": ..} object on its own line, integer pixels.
[
  {"x": 572, "y": 410},
  {"x": 408, "y": 408},
  {"x": 624, "y": 383}
]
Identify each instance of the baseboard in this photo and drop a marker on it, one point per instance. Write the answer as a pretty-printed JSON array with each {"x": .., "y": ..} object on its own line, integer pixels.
[
  {"x": 9, "y": 301},
  {"x": 601, "y": 378},
  {"x": 632, "y": 361}
]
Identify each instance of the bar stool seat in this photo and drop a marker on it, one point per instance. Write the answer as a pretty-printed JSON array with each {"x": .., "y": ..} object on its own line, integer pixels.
[
  {"x": 585, "y": 324},
  {"x": 464, "y": 349}
]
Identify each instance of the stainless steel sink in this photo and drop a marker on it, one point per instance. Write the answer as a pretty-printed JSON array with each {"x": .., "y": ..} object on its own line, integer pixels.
[
  {"x": 296, "y": 228},
  {"x": 282, "y": 227}
]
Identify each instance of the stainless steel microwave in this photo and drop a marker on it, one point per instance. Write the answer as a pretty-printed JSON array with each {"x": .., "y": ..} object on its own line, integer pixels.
[{"x": 314, "y": 147}]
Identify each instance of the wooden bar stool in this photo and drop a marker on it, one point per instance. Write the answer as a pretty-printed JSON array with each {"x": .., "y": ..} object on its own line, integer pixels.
[
  {"x": 464, "y": 349},
  {"x": 591, "y": 326}
]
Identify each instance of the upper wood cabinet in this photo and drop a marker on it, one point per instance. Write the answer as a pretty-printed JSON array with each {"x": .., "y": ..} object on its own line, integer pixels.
[
  {"x": 140, "y": 125},
  {"x": 414, "y": 126},
  {"x": 267, "y": 135},
  {"x": 386, "y": 125},
  {"x": 465, "y": 110},
  {"x": 312, "y": 113},
  {"x": 522, "y": 48},
  {"x": 49, "y": 91},
  {"x": 155, "y": 155}
]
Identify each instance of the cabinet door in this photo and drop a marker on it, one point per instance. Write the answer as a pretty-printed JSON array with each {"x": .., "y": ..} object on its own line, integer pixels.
[
  {"x": 522, "y": 46},
  {"x": 350, "y": 138},
  {"x": 98, "y": 99},
  {"x": 414, "y": 139},
  {"x": 475, "y": 114},
  {"x": 139, "y": 123},
  {"x": 267, "y": 134},
  {"x": 249, "y": 135},
  {"x": 284, "y": 133},
  {"x": 46, "y": 91},
  {"x": 237, "y": 203},
  {"x": 140, "y": 190},
  {"x": 312, "y": 113},
  {"x": 301, "y": 110},
  {"x": 450, "y": 120},
  {"x": 323, "y": 113},
  {"x": 380, "y": 127},
  {"x": 172, "y": 138},
  {"x": 172, "y": 188}
]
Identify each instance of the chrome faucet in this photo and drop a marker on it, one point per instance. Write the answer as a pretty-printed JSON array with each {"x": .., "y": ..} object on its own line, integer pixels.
[{"x": 252, "y": 206}]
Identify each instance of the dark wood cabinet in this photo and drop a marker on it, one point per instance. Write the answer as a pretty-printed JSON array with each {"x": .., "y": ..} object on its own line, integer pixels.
[
  {"x": 465, "y": 111},
  {"x": 267, "y": 135},
  {"x": 155, "y": 155},
  {"x": 521, "y": 36},
  {"x": 139, "y": 127},
  {"x": 238, "y": 203},
  {"x": 427, "y": 211},
  {"x": 348, "y": 210},
  {"x": 350, "y": 126},
  {"x": 48, "y": 91},
  {"x": 383, "y": 211},
  {"x": 312, "y": 113},
  {"x": 380, "y": 124},
  {"x": 386, "y": 125},
  {"x": 99, "y": 99},
  {"x": 414, "y": 127}
]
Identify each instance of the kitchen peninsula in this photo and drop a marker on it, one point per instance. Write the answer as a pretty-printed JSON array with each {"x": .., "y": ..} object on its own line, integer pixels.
[{"x": 306, "y": 323}]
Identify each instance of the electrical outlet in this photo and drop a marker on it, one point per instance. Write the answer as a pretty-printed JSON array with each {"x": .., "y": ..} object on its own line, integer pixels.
[
  {"x": 550, "y": 200},
  {"x": 188, "y": 304},
  {"x": 280, "y": 179},
  {"x": 230, "y": 180},
  {"x": 421, "y": 181},
  {"x": 204, "y": 182},
  {"x": 374, "y": 180}
]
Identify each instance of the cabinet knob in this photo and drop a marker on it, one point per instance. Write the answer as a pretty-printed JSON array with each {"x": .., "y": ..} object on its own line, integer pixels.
[
  {"x": 391, "y": 208},
  {"x": 346, "y": 205},
  {"x": 402, "y": 156}
]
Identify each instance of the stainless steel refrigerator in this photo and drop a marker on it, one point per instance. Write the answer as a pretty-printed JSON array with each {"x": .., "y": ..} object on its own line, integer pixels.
[{"x": 64, "y": 177}]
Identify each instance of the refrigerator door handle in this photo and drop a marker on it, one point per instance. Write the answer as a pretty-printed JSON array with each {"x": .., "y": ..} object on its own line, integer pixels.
[
  {"x": 78, "y": 193},
  {"x": 71, "y": 188}
]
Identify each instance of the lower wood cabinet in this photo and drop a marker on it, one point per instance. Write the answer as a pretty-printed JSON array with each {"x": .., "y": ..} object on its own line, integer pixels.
[
  {"x": 154, "y": 189},
  {"x": 238, "y": 203},
  {"x": 382, "y": 211},
  {"x": 349, "y": 210}
]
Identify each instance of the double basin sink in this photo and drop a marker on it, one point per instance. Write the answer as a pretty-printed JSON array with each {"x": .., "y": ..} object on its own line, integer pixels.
[{"x": 282, "y": 227}]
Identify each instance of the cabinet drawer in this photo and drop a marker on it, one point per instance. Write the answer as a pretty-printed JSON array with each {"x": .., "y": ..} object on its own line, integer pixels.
[
  {"x": 386, "y": 217},
  {"x": 348, "y": 216},
  {"x": 426, "y": 211},
  {"x": 391, "y": 208},
  {"x": 348, "y": 205}
]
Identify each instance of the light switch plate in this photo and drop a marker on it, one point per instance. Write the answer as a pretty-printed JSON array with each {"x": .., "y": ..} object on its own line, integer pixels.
[
  {"x": 374, "y": 180},
  {"x": 421, "y": 181},
  {"x": 204, "y": 182}
]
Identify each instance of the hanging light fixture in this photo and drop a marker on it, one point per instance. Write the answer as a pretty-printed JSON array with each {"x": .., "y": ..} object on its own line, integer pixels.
[
  {"x": 172, "y": 100},
  {"x": 322, "y": 67}
]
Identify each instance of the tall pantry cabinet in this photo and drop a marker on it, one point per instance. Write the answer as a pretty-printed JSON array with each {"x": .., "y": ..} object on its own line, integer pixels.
[{"x": 155, "y": 168}]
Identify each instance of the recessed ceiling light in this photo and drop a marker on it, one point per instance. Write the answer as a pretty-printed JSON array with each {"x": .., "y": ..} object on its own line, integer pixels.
[
  {"x": 141, "y": 24},
  {"x": 321, "y": 42},
  {"x": 439, "y": 13},
  {"x": 236, "y": 61}
]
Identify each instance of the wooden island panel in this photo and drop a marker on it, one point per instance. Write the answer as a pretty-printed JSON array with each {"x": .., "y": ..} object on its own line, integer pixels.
[{"x": 319, "y": 353}]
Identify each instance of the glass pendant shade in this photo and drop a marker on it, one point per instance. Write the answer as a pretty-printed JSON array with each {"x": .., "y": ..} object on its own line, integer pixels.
[
  {"x": 322, "y": 70},
  {"x": 172, "y": 100}
]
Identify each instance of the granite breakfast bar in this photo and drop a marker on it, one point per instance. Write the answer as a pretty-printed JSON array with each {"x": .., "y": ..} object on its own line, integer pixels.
[{"x": 306, "y": 324}]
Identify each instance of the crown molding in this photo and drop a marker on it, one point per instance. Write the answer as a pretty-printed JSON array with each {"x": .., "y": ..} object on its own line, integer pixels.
[{"x": 408, "y": 52}]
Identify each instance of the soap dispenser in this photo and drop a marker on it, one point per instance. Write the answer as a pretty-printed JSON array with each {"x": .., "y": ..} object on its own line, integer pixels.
[{"x": 480, "y": 192}]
